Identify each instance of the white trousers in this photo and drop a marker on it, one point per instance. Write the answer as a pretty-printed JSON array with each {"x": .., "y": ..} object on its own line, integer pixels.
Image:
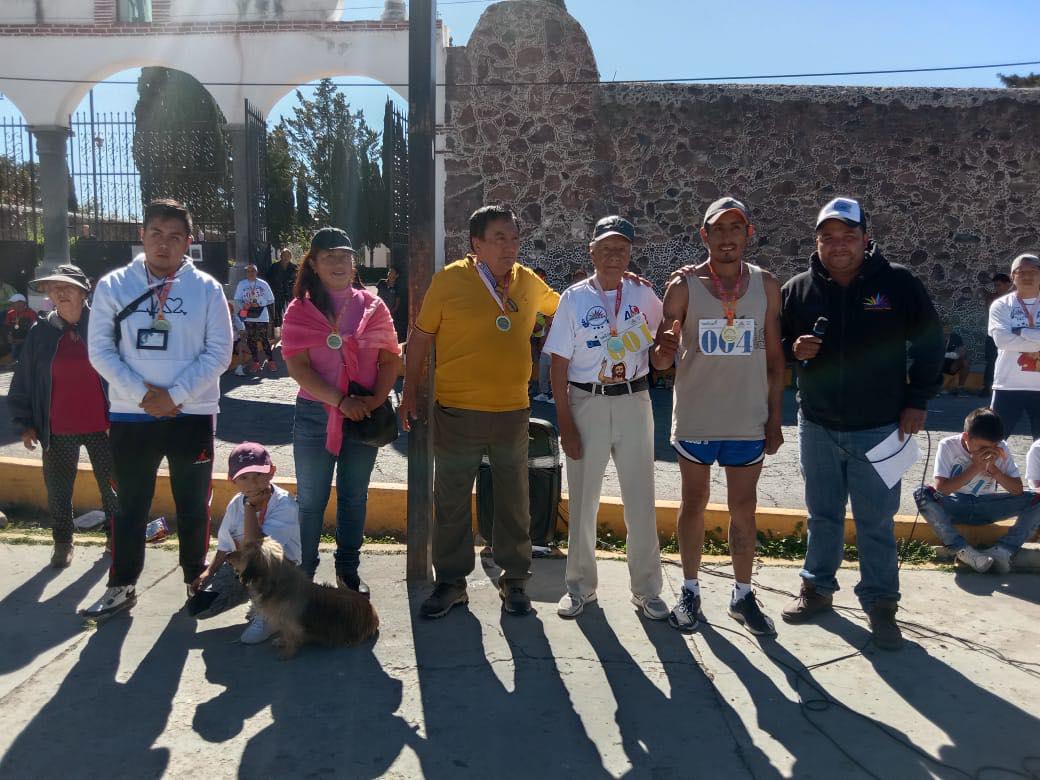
[{"x": 621, "y": 427}]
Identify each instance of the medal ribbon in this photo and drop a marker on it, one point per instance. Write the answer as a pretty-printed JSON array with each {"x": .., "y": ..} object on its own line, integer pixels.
[
  {"x": 729, "y": 305},
  {"x": 163, "y": 294},
  {"x": 339, "y": 316},
  {"x": 1029, "y": 314},
  {"x": 489, "y": 281},
  {"x": 611, "y": 316}
]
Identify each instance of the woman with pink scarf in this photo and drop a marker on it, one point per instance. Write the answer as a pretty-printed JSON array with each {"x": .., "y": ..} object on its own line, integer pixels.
[{"x": 334, "y": 334}]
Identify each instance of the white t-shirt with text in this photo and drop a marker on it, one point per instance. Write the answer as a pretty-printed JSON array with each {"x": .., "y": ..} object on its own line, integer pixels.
[
  {"x": 1033, "y": 466},
  {"x": 953, "y": 458},
  {"x": 281, "y": 522},
  {"x": 255, "y": 293},
  {"x": 581, "y": 329}
]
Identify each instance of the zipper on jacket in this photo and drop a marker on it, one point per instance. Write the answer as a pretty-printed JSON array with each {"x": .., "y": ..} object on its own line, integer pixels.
[{"x": 841, "y": 356}]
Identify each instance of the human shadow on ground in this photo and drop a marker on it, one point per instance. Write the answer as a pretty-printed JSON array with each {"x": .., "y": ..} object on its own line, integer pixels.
[
  {"x": 332, "y": 710},
  {"x": 981, "y": 729},
  {"x": 97, "y": 726},
  {"x": 691, "y": 730},
  {"x": 29, "y": 627},
  {"x": 476, "y": 726},
  {"x": 1021, "y": 586}
]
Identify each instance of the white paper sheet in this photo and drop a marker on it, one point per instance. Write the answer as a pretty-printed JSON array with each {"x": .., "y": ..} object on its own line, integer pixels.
[{"x": 893, "y": 458}]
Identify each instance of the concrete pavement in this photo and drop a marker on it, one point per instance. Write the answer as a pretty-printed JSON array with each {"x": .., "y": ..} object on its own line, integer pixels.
[
  {"x": 261, "y": 409},
  {"x": 481, "y": 694}
]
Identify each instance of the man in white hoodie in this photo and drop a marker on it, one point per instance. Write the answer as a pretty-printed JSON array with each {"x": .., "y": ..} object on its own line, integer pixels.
[{"x": 160, "y": 335}]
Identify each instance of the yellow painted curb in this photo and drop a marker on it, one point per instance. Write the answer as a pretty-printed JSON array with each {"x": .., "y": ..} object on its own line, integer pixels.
[{"x": 21, "y": 482}]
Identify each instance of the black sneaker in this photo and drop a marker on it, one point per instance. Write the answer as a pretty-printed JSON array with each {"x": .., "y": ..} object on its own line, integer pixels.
[
  {"x": 445, "y": 596},
  {"x": 686, "y": 612},
  {"x": 515, "y": 600},
  {"x": 748, "y": 612},
  {"x": 882, "y": 617},
  {"x": 808, "y": 604},
  {"x": 351, "y": 581}
]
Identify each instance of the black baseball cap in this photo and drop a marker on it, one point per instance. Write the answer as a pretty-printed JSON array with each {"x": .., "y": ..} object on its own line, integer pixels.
[
  {"x": 721, "y": 206},
  {"x": 614, "y": 226},
  {"x": 331, "y": 238}
]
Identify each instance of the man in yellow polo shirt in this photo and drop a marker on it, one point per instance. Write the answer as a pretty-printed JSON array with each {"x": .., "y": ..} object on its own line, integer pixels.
[{"x": 480, "y": 312}]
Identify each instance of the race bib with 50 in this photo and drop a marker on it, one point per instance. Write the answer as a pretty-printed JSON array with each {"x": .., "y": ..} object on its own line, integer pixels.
[{"x": 718, "y": 337}]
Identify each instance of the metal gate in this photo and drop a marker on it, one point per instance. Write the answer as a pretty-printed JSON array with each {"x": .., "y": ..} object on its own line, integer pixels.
[
  {"x": 256, "y": 186},
  {"x": 116, "y": 166},
  {"x": 20, "y": 205},
  {"x": 395, "y": 177}
]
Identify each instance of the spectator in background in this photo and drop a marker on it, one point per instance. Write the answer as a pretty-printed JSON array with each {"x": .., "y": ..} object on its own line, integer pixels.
[
  {"x": 1013, "y": 326},
  {"x": 254, "y": 298},
  {"x": 955, "y": 360},
  {"x": 388, "y": 290},
  {"x": 7, "y": 291},
  {"x": 579, "y": 275},
  {"x": 85, "y": 233},
  {"x": 282, "y": 278},
  {"x": 17, "y": 322},
  {"x": 1001, "y": 286}
]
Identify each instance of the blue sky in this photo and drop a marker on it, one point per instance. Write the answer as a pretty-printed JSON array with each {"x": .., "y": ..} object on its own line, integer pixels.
[{"x": 691, "y": 38}]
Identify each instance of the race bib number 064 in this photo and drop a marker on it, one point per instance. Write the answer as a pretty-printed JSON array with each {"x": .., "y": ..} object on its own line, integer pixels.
[{"x": 717, "y": 337}]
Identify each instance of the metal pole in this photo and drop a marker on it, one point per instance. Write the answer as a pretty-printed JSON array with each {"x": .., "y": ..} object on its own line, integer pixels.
[
  {"x": 94, "y": 166},
  {"x": 422, "y": 95}
]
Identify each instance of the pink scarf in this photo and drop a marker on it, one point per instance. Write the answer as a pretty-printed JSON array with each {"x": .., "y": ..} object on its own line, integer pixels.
[{"x": 305, "y": 327}]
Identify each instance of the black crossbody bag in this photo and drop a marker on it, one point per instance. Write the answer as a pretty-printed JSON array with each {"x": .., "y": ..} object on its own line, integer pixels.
[
  {"x": 127, "y": 310},
  {"x": 379, "y": 428}
]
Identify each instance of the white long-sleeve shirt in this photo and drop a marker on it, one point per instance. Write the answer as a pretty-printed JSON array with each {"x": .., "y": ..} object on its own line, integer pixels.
[
  {"x": 198, "y": 348},
  {"x": 254, "y": 293},
  {"x": 1018, "y": 344}
]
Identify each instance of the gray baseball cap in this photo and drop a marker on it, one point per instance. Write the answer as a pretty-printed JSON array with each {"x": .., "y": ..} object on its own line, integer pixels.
[
  {"x": 1022, "y": 259},
  {"x": 721, "y": 206}
]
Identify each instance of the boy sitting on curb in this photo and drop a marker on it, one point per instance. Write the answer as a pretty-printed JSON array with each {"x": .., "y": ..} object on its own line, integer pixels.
[
  {"x": 969, "y": 471},
  {"x": 259, "y": 509}
]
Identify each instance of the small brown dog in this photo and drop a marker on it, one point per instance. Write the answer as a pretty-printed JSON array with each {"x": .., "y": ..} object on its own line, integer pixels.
[{"x": 299, "y": 610}]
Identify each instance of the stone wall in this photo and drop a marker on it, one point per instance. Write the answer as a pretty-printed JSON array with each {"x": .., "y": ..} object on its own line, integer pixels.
[{"x": 950, "y": 178}]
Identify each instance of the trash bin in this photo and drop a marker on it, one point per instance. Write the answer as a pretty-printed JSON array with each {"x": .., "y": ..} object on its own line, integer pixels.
[{"x": 544, "y": 474}]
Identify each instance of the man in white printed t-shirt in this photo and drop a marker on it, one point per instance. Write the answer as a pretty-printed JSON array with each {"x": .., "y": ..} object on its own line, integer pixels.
[
  {"x": 254, "y": 297},
  {"x": 1014, "y": 329},
  {"x": 970, "y": 469},
  {"x": 600, "y": 340}
]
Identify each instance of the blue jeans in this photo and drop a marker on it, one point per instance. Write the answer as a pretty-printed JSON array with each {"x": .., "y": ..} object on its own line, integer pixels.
[
  {"x": 836, "y": 469},
  {"x": 942, "y": 512},
  {"x": 314, "y": 466}
]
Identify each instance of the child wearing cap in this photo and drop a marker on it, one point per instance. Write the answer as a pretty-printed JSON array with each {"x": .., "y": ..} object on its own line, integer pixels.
[
  {"x": 260, "y": 508},
  {"x": 18, "y": 320}
]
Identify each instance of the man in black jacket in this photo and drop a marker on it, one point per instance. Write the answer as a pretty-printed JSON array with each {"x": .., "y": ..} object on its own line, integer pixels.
[{"x": 854, "y": 391}]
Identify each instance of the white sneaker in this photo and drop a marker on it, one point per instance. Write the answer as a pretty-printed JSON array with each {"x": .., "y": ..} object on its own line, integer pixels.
[
  {"x": 1001, "y": 559},
  {"x": 652, "y": 607},
  {"x": 90, "y": 520},
  {"x": 541, "y": 398},
  {"x": 240, "y": 370},
  {"x": 256, "y": 632},
  {"x": 115, "y": 599},
  {"x": 571, "y": 605},
  {"x": 550, "y": 400},
  {"x": 974, "y": 559}
]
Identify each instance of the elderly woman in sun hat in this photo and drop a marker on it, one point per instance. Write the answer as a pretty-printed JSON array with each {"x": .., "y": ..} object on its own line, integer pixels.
[{"x": 57, "y": 400}]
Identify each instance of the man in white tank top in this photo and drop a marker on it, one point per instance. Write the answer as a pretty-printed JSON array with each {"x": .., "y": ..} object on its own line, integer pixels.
[{"x": 722, "y": 319}]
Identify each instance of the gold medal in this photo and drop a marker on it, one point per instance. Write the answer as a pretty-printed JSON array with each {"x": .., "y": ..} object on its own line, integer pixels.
[
  {"x": 503, "y": 323},
  {"x": 160, "y": 324},
  {"x": 730, "y": 334}
]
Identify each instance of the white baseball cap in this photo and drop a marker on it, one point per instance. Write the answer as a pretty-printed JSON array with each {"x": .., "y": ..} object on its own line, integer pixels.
[
  {"x": 846, "y": 209},
  {"x": 17, "y": 297}
]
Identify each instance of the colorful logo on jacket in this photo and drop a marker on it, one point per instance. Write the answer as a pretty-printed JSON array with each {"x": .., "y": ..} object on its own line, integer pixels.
[
  {"x": 1029, "y": 361},
  {"x": 878, "y": 302}
]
